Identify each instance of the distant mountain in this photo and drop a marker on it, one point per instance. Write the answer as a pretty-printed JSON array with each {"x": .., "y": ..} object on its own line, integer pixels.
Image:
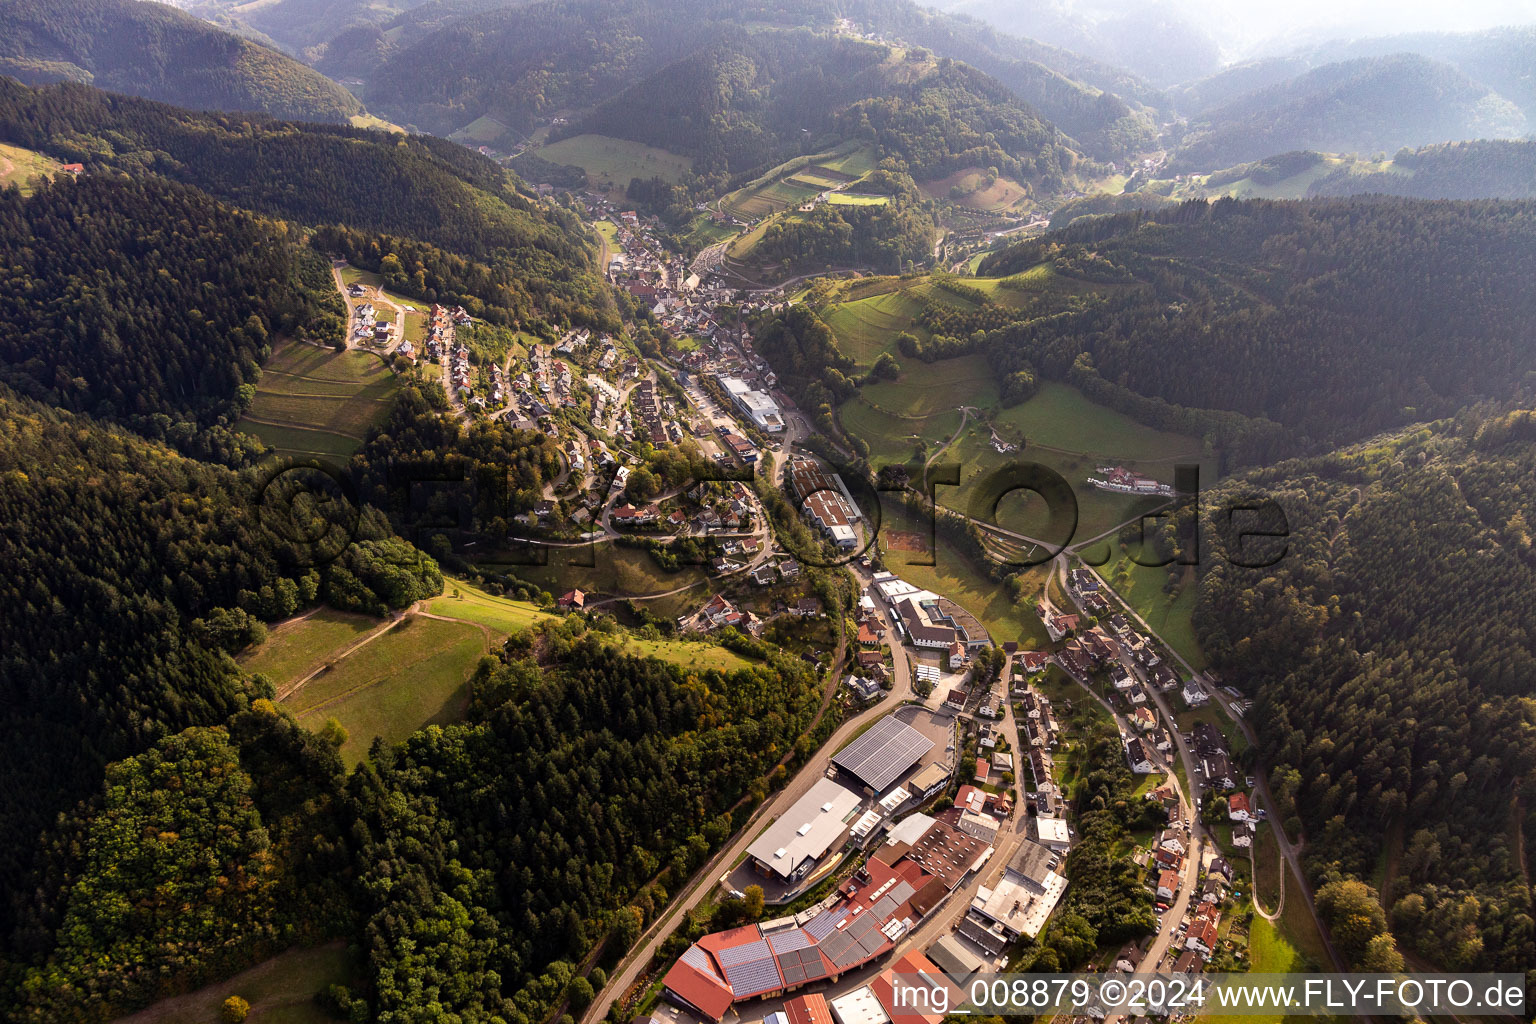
[
  {"x": 1501, "y": 59},
  {"x": 1483, "y": 169},
  {"x": 1153, "y": 40},
  {"x": 149, "y": 49},
  {"x": 750, "y": 100},
  {"x": 1363, "y": 105},
  {"x": 530, "y": 62},
  {"x": 299, "y": 24}
]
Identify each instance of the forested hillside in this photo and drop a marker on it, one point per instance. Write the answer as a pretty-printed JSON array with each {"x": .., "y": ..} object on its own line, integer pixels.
[
  {"x": 446, "y": 203},
  {"x": 1333, "y": 319},
  {"x": 752, "y": 100},
  {"x": 1390, "y": 653},
  {"x": 131, "y": 570},
  {"x": 1486, "y": 169},
  {"x": 522, "y": 63},
  {"x": 149, "y": 49},
  {"x": 299, "y": 24},
  {"x": 147, "y": 301},
  {"x": 1362, "y": 106},
  {"x": 582, "y": 791},
  {"x": 888, "y": 236}
]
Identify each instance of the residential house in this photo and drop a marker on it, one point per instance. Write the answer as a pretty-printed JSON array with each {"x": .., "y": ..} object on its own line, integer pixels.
[{"x": 1136, "y": 754}]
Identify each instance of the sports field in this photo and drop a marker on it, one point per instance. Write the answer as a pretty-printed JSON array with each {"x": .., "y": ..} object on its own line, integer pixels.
[
  {"x": 612, "y": 162},
  {"x": 313, "y": 401}
]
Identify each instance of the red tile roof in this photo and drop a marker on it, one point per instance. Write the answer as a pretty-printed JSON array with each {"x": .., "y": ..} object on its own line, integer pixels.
[{"x": 808, "y": 1009}]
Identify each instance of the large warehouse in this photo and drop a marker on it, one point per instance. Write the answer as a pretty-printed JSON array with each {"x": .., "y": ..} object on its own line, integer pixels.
[
  {"x": 884, "y": 753},
  {"x": 791, "y": 847}
]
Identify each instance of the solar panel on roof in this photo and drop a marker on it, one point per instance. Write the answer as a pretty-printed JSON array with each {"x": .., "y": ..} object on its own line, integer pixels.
[
  {"x": 836, "y": 944},
  {"x": 792, "y": 975},
  {"x": 750, "y": 979},
  {"x": 883, "y": 908},
  {"x": 902, "y": 891},
  {"x": 784, "y": 942},
  {"x": 814, "y": 970},
  {"x": 694, "y": 956},
  {"x": 883, "y": 753},
  {"x": 823, "y": 925},
  {"x": 744, "y": 953}
]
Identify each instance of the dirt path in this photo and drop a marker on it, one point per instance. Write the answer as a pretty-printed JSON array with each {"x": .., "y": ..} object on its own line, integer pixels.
[
  {"x": 373, "y": 635},
  {"x": 1253, "y": 867}
]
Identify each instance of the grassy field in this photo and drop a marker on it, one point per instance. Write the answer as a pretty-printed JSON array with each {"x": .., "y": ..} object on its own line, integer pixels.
[
  {"x": 854, "y": 162},
  {"x": 296, "y": 648},
  {"x": 612, "y": 162},
  {"x": 503, "y": 616},
  {"x": 482, "y": 129},
  {"x": 413, "y": 675},
  {"x": 280, "y": 990},
  {"x": 1058, "y": 428},
  {"x": 1267, "y": 867},
  {"x": 857, "y": 199},
  {"x": 957, "y": 578},
  {"x": 1001, "y": 195},
  {"x": 316, "y": 401},
  {"x": 924, "y": 389},
  {"x": 19, "y": 166},
  {"x": 867, "y": 327},
  {"x": 1170, "y": 615},
  {"x": 1061, "y": 417},
  {"x": 372, "y": 121},
  {"x": 613, "y": 570}
]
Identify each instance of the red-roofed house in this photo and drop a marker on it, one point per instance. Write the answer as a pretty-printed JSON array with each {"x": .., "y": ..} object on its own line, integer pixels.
[
  {"x": 1033, "y": 661},
  {"x": 1167, "y": 885},
  {"x": 1238, "y": 807},
  {"x": 572, "y": 599},
  {"x": 1202, "y": 936}
]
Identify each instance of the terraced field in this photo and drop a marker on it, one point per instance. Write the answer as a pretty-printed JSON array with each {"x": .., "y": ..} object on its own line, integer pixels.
[
  {"x": 315, "y": 401},
  {"x": 773, "y": 197}
]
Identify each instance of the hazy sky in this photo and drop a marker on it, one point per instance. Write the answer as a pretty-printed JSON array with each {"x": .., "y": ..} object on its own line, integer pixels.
[{"x": 1244, "y": 24}]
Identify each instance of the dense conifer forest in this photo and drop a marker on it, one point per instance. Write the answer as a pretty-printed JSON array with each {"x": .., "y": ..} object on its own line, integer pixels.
[{"x": 1390, "y": 652}]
